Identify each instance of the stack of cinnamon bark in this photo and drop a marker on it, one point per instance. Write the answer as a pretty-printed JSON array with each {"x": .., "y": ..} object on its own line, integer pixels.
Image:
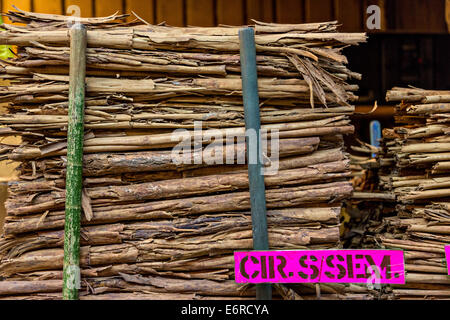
[
  {"x": 420, "y": 179},
  {"x": 369, "y": 203},
  {"x": 153, "y": 227}
]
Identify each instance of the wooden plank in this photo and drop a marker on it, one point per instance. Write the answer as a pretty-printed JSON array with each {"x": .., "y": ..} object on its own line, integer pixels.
[
  {"x": 290, "y": 11},
  {"x": 261, "y": 10},
  {"x": 170, "y": 11},
  {"x": 45, "y": 6},
  {"x": 350, "y": 14},
  {"x": 104, "y": 8},
  {"x": 230, "y": 12},
  {"x": 407, "y": 19},
  {"x": 200, "y": 13},
  {"x": 420, "y": 16},
  {"x": 20, "y": 4},
  {"x": 383, "y": 111},
  {"x": 144, "y": 9},
  {"x": 85, "y": 7},
  {"x": 319, "y": 10},
  {"x": 436, "y": 19}
]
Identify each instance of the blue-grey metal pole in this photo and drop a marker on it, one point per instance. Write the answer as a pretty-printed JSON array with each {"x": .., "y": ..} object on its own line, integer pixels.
[
  {"x": 375, "y": 134},
  {"x": 252, "y": 126}
]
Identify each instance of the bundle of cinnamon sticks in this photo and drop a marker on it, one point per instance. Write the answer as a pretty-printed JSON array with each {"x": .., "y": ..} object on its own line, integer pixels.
[
  {"x": 370, "y": 203},
  {"x": 153, "y": 227},
  {"x": 419, "y": 147}
]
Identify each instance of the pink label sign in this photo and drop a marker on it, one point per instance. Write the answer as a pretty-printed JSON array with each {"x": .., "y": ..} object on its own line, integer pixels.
[
  {"x": 320, "y": 266},
  {"x": 447, "y": 257}
]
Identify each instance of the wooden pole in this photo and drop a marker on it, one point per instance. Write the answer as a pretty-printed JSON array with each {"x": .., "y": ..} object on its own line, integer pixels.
[
  {"x": 71, "y": 279},
  {"x": 253, "y": 124}
]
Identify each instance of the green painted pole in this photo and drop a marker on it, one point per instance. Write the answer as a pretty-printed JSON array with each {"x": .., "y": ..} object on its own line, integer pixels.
[
  {"x": 71, "y": 272},
  {"x": 253, "y": 126}
]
